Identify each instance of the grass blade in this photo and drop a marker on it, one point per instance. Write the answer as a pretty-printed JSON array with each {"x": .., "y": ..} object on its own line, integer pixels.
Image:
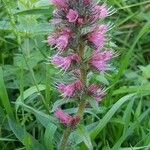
[
  {"x": 85, "y": 136},
  {"x": 27, "y": 140},
  {"x": 4, "y": 96},
  {"x": 109, "y": 115},
  {"x": 49, "y": 136},
  {"x": 130, "y": 130}
]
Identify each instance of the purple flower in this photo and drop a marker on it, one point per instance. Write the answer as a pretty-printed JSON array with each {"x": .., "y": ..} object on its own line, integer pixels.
[
  {"x": 51, "y": 40},
  {"x": 62, "y": 42},
  {"x": 70, "y": 89},
  {"x": 75, "y": 120},
  {"x": 60, "y": 39},
  {"x": 59, "y": 3},
  {"x": 72, "y": 15},
  {"x": 78, "y": 85},
  {"x": 65, "y": 118},
  {"x": 66, "y": 31},
  {"x": 80, "y": 21},
  {"x": 96, "y": 91},
  {"x": 56, "y": 21},
  {"x": 77, "y": 29},
  {"x": 62, "y": 116},
  {"x": 97, "y": 36},
  {"x": 66, "y": 90},
  {"x": 102, "y": 55},
  {"x": 103, "y": 11},
  {"x": 64, "y": 62},
  {"x": 100, "y": 11},
  {"x": 100, "y": 59},
  {"x": 86, "y": 2},
  {"x": 102, "y": 29},
  {"x": 74, "y": 57}
]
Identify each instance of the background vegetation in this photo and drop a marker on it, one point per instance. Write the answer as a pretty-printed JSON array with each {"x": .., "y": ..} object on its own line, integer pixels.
[{"x": 121, "y": 121}]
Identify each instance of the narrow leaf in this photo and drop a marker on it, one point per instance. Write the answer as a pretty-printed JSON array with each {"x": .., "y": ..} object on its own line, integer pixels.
[
  {"x": 109, "y": 115},
  {"x": 85, "y": 137},
  {"x": 49, "y": 136},
  {"x": 27, "y": 140},
  {"x": 4, "y": 96}
]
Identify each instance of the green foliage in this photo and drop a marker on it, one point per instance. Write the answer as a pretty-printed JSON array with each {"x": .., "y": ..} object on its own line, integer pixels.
[{"x": 28, "y": 97}]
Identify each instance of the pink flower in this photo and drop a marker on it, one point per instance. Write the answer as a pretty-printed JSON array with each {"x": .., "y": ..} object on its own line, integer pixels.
[
  {"x": 63, "y": 117},
  {"x": 97, "y": 39},
  {"x": 70, "y": 89},
  {"x": 97, "y": 36},
  {"x": 80, "y": 21},
  {"x": 60, "y": 38},
  {"x": 67, "y": 90},
  {"x": 100, "y": 65},
  {"x": 103, "y": 11},
  {"x": 78, "y": 84},
  {"x": 102, "y": 55},
  {"x": 102, "y": 29},
  {"x": 66, "y": 31},
  {"x": 51, "y": 40},
  {"x": 75, "y": 121},
  {"x": 100, "y": 11},
  {"x": 96, "y": 91},
  {"x": 59, "y": 3},
  {"x": 86, "y": 2},
  {"x": 62, "y": 42},
  {"x": 99, "y": 59},
  {"x": 72, "y": 15},
  {"x": 74, "y": 57},
  {"x": 64, "y": 62},
  {"x": 56, "y": 21}
]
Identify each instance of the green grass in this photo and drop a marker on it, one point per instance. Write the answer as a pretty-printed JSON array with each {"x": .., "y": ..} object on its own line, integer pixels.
[{"x": 28, "y": 96}]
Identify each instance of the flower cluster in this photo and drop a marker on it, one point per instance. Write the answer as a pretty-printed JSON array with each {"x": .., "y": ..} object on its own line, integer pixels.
[
  {"x": 66, "y": 118},
  {"x": 70, "y": 89},
  {"x": 76, "y": 28}
]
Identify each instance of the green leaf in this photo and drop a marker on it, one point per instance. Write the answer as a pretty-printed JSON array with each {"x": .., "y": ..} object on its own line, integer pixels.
[
  {"x": 33, "y": 59},
  {"x": 130, "y": 130},
  {"x": 101, "y": 78},
  {"x": 43, "y": 118},
  {"x": 28, "y": 93},
  {"x": 138, "y": 109},
  {"x": 4, "y": 96},
  {"x": 42, "y": 3},
  {"x": 143, "y": 89},
  {"x": 109, "y": 115},
  {"x": 146, "y": 71},
  {"x": 27, "y": 140},
  {"x": 127, "y": 115},
  {"x": 5, "y": 26},
  {"x": 35, "y": 11},
  {"x": 126, "y": 58},
  {"x": 49, "y": 136},
  {"x": 7, "y": 139},
  {"x": 85, "y": 136},
  {"x": 134, "y": 148}
]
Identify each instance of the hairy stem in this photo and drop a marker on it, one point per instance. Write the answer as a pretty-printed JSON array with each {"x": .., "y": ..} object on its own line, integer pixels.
[
  {"x": 65, "y": 139},
  {"x": 82, "y": 103}
]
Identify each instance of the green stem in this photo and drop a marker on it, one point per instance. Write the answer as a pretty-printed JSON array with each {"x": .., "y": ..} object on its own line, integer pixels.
[
  {"x": 25, "y": 55},
  {"x": 65, "y": 138},
  {"x": 67, "y": 132},
  {"x": 12, "y": 21},
  {"x": 81, "y": 108},
  {"x": 82, "y": 103}
]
